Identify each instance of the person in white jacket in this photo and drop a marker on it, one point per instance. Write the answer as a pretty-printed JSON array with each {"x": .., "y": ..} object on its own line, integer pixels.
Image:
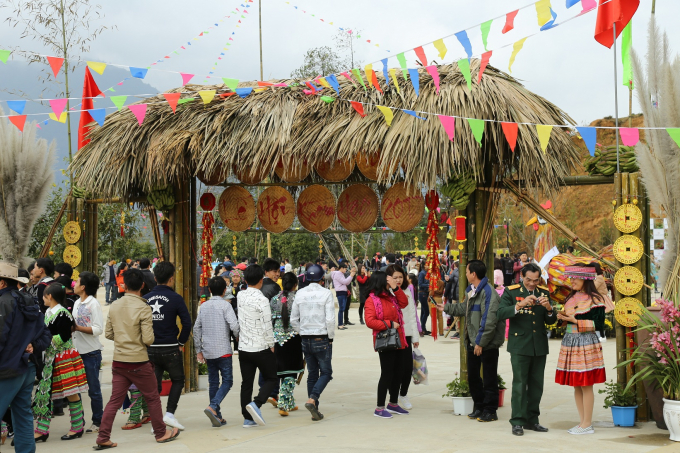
[{"x": 410, "y": 331}]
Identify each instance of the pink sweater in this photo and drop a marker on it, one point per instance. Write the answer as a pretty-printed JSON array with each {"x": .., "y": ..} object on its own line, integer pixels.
[{"x": 340, "y": 282}]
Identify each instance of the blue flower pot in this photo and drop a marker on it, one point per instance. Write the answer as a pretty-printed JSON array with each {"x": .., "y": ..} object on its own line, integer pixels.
[{"x": 624, "y": 416}]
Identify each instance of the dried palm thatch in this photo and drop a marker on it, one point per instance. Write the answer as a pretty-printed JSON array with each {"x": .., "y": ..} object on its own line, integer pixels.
[
  {"x": 658, "y": 91},
  {"x": 124, "y": 158},
  {"x": 25, "y": 178}
]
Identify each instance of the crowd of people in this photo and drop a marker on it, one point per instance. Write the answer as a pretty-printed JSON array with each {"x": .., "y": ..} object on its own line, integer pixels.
[{"x": 277, "y": 319}]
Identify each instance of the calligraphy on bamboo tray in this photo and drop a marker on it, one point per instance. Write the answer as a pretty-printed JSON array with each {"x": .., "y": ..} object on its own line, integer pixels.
[
  {"x": 357, "y": 208},
  {"x": 276, "y": 209},
  {"x": 316, "y": 208},
  {"x": 401, "y": 209},
  {"x": 237, "y": 208}
]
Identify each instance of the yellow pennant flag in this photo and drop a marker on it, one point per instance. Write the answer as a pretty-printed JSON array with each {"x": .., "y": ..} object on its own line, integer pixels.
[
  {"x": 515, "y": 50},
  {"x": 61, "y": 119},
  {"x": 368, "y": 69},
  {"x": 257, "y": 90},
  {"x": 543, "y": 135},
  {"x": 393, "y": 74},
  {"x": 543, "y": 12},
  {"x": 441, "y": 48},
  {"x": 448, "y": 236},
  {"x": 324, "y": 83},
  {"x": 388, "y": 114},
  {"x": 207, "y": 95},
  {"x": 97, "y": 67}
]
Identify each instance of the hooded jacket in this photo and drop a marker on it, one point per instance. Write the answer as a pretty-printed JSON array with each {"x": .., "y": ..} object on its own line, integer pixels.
[{"x": 21, "y": 323}]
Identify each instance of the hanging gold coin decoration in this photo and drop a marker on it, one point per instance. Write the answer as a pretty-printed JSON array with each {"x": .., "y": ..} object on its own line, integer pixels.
[
  {"x": 627, "y": 218},
  {"x": 628, "y": 249},
  {"x": 628, "y": 281},
  {"x": 75, "y": 275},
  {"x": 627, "y": 311},
  {"x": 72, "y": 255},
  {"x": 71, "y": 232}
]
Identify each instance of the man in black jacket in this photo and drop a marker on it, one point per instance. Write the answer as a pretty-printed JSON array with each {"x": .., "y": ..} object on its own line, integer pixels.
[
  {"x": 166, "y": 351},
  {"x": 149, "y": 279},
  {"x": 272, "y": 271},
  {"x": 23, "y": 336}
]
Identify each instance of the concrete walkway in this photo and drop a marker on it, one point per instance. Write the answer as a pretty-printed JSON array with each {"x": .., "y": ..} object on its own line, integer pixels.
[{"x": 349, "y": 424}]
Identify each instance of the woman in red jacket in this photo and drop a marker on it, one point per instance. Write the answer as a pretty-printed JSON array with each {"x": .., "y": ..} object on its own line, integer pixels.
[
  {"x": 362, "y": 278},
  {"x": 382, "y": 311}
]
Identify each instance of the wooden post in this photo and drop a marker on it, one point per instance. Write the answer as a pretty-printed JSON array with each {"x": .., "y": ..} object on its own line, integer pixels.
[
  {"x": 469, "y": 251},
  {"x": 620, "y": 330},
  {"x": 82, "y": 243}
]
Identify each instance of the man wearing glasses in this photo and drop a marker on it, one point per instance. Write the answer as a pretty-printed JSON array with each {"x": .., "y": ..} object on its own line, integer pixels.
[{"x": 527, "y": 305}]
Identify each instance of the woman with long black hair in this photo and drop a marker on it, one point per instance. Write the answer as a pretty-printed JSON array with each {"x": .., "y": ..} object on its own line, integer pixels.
[
  {"x": 288, "y": 347},
  {"x": 362, "y": 278}
]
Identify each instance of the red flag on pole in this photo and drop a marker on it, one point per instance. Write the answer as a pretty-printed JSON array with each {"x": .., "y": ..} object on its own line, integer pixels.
[
  {"x": 90, "y": 90},
  {"x": 610, "y": 12}
]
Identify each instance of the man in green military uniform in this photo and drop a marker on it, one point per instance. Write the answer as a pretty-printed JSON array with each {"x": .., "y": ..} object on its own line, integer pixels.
[{"x": 528, "y": 308}]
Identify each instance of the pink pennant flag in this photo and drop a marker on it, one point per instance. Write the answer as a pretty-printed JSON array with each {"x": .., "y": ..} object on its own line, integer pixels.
[
  {"x": 347, "y": 76},
  {"x": 420, "y": 53},
  {"x": 449, "y": 124},
  {"x": 140, "y": 112},
  {"x": 486, "y": 56},
  {"x": 587, "y": 5},
  {"x": 58, "y": 106},
  {"x": 630, "y": 135},
  {"x": 435, "y": 76},
  {"x": 186, "y": 78},
  {"x": 172, "y": 99}
]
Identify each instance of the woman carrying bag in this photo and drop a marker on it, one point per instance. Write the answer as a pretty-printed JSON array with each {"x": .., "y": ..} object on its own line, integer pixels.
[{"x": 383, "y": 315}]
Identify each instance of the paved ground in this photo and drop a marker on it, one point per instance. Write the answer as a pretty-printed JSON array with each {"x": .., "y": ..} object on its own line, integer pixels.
[{"x": 348, "y": 405}]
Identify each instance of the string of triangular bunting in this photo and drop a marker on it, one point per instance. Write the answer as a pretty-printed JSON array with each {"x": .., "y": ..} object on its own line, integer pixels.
[{"x": 242, "y": 13}]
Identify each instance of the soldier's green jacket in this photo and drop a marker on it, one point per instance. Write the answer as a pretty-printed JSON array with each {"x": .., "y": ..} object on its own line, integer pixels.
[{"x": 527, "y": 335}]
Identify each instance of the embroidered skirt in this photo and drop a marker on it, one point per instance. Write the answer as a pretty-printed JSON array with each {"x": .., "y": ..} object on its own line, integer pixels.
[
  {"x": 580, "y": 363},
  {"x": 68, "y": 374}
]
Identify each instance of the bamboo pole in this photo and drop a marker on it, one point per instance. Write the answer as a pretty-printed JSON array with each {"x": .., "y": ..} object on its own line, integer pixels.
[
  {"x": 48, "y": 242},
  {"x": 153, "y": 217},
  {"x": 620, "y": 330}
]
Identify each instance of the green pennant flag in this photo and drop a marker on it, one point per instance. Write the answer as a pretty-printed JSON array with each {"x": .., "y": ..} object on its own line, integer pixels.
[
  {"x": 111, "y": 89},
  {"x": 626, "y": 42},
  {"x": 402, "y": 63},
  {"x": 231, "y": 83},
  {"x": 185, "y": 100},
  {"x": 675, "y": 134},
  {"x": 4, "y": 55},
  {"x": 327, "y": 99},
  {"x": 464, "y": 66},
  {"x": 118, "y": 101},
  {"x": 477, "y": 127},
  {"x": 486, "y": 26},
  {"x": 357, "y": 74}
]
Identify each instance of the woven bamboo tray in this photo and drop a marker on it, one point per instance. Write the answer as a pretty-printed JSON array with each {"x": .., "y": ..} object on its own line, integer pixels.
[
  {"x": 358, "y": 208},
  {"x": 290, "y": 170},
  {"x": 276, "y": 209},
  {"x": 336, "y": 171},
  {"x": 369, "y": 163},
  {"x": 402, "y": 209},
  {"x": 316, "y": 208},
  {"x": 213, "y": 176},
  {"x": 237, "y": 208},
  {"x": 245, "y": 175}
]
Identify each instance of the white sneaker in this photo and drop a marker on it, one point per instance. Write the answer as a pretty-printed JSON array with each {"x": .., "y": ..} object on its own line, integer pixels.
[
  {"x": 405, "y": 403},
  {"x": 577, "y": 430},
  {"x": 603, "y": 339},
  {"x": 170, "y": 420}
]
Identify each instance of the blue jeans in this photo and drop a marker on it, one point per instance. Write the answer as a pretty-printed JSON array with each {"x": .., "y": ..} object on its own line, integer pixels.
[
  {"x": 318, "y": 354},
  {"x": 217, "y": 392},
  {"x": 342, "y": 303},
  {"x": 92, "y": 362},
  {"x": 111, "y": 292},
  {"x": 16, "y": 393}
]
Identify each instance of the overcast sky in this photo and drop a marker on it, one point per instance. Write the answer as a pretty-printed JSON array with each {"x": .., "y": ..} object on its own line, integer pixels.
[{"x": 565, "y": 64}]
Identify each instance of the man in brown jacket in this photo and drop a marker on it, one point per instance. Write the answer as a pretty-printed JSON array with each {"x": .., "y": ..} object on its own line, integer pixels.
[{"x": 130, "y": 327}]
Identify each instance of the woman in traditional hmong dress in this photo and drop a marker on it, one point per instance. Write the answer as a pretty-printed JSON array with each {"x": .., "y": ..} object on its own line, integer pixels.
[
  {"x": 63, "y": 374},
  {"x": 580, "y": 363},
  {"x": 288, "y": 347}
]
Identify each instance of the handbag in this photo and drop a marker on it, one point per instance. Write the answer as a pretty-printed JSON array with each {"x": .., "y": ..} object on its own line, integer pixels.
[{"x": 387, "y": 340}]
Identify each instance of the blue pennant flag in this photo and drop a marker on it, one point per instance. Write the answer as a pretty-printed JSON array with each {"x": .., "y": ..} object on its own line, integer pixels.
[
  {"x": 589, "y": 136},
  {"x": 243, "y": 92},
  {"x": 99, "y": 115},
  {"x": 550, "y": 24},
  {"x": 415, "y": 80},
  {"x": 17, "y": 106},
  {"x": 385, "y": 74},
  {"x": 571, "y": 3},
  {"x": 465, "y": 42},
  {"x": 413, "y": 113},
  {"x": 139, "y": 73},
  {"x": 333, "y": 81}
]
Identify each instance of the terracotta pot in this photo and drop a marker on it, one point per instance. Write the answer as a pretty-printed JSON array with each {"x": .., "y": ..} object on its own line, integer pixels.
[
  {"x": 501, "y": 397},
  {"x": 654, "y": 392},
  {"x": 165, "y": 387}
]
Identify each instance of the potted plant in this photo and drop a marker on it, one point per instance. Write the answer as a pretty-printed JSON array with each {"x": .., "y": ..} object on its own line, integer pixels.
[
  {"x": 459, "y": 392},
  {"x": 659, "y": 360},
  {"x": 203, "y": 376},
  {"x": 623, "y": 401},
  {"x": 501, "y": 390},
  {"x": 166, "y": 383}
]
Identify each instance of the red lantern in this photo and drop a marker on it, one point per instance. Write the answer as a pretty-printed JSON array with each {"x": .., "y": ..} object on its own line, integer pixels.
[
  {"x": 208, "y": 204},
  {"x": 208, "y": 201},
  {"x": 460, "y": 229}
]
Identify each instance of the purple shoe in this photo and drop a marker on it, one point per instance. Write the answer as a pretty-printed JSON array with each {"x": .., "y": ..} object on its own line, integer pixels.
[
  {"x": 396, "y": 409},
  {"x": 382, "y": 414}
]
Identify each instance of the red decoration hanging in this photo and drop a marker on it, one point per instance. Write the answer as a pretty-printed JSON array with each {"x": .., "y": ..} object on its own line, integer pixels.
[
  {"x": 432, "y": 246},
  {"x": 207, "y": 202},
  {"x": 460, "y": 229}
]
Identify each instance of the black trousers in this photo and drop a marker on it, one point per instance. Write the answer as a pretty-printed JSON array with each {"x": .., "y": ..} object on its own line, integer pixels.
[
  {"x": 250, "y": 362},
  {"x": 484, "y": 389},
  {"x": 406, "y": 367},
  {"x": 170, "y": 359},
  {"x": 390, "y": 376}
]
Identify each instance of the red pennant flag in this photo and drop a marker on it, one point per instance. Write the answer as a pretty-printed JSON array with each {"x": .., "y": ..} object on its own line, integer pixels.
[
  {"x": 420, "y": 53},
  {"x": 510, "y": 131},
  {"x": 265, "y": 84},
  {"x": 509, "y": 21},
  {"x": 18, "y": 121},
  {"x": 610, "y": 12},
  {"x": 374, "y": 81},
  {"x": 486, "y": 56},
  {"x": 55, "y": 64},
  {"x": 90, "y": 90},
  {"x": 172, "y": 99},
  {"x": 226, "y": 95},
  {"x": 359, "y": 107}
]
